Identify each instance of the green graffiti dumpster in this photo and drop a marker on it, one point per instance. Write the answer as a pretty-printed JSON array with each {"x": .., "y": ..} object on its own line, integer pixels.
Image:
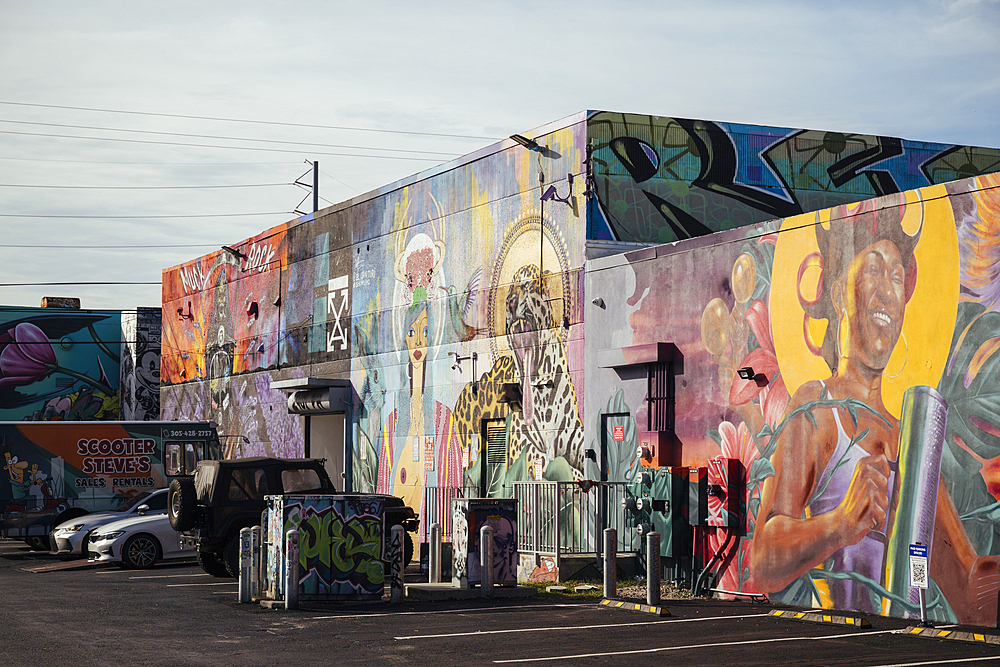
[{"x": 341, "y": 546}]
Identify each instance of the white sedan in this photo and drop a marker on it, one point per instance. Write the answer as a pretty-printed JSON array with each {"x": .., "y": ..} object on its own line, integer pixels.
[
  {"x": 137, "y": 543},
  {"x": 71, "y": 537}
]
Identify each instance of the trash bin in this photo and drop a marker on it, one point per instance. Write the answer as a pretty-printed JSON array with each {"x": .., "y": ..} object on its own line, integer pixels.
[
  {"x": 341, "y": 546},
  {"x": 469, "y": 516}
]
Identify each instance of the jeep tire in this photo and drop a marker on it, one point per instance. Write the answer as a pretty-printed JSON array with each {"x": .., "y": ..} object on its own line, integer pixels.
[
  {"x": 211, "y": 564},
  {"x": 231, "y": 554},
  {"x": 181, "y": 504}
]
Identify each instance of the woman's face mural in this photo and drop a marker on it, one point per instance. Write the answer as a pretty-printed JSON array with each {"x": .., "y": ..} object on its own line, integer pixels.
[
  {"x": 416, "y": 338},
  {"x": 872, "y": 299}
]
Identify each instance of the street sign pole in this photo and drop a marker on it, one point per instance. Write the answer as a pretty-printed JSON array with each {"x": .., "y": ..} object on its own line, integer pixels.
[{"x": 919, "y": 578}]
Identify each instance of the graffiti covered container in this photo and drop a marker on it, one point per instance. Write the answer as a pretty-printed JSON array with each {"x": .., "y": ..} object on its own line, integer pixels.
[
  {"x": 469, "y": 515},
  {"x": 340, "y": 546}
]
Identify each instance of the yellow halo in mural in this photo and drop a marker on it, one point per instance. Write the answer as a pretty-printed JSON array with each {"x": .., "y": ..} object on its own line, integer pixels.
[
  {"x": 524, "y": 244},
  {"x": 930, "y": 314}
]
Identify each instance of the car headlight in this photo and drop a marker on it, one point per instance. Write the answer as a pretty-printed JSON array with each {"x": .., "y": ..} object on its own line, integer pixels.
[
  {"x": 72, "y": 529},
  {"x": 113, "y": 535}
]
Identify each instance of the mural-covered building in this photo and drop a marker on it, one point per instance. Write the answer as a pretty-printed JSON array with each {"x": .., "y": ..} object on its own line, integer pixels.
[
  {"x": 60, "y": 362},
  {"x": 606, "y": 276}
]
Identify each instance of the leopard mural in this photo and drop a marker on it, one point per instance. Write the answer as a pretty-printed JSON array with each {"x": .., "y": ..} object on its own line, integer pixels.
[{"x": 550, "y": 425}]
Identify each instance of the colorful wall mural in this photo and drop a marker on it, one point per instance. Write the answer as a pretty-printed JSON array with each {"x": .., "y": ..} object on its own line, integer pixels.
[
  {"x": 660, "y": 179},
  {"x": 68, "y": 365},
  {"x": 875, "y": 326},
  {"x": 457, "y": 301}
]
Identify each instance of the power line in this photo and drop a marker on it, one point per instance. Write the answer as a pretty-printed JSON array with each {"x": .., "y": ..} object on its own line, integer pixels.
[
  {"x": 113, "y": 247},
  {"x": 235, "y": 148},
  {"x": 141, "y": 217},
  {"x": 140, "y": 187},
  {"x": 214, "y": 136},
  {"x": 164, "y": 164},
  {"x": 73, "y": 283},
  {"x": 243, "y": 120}
]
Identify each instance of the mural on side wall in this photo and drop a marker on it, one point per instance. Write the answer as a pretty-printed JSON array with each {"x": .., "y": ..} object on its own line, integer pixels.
[
  {"x": 140, "y": 365},
  {"x": 661, "y": 179},
  {"x": 876, "y": 326},
  {"x": 59, "y": 365},
  {"x": 220, "y": 335},
  {"x": 452, "y": 334}
]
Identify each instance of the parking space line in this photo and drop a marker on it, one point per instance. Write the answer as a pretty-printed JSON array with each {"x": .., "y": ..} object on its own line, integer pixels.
[
  {"x": 220, "y": 583},
  {"x": 664, "y": 649},
  {"x": 576, "y": 627},
  {"x": 450, "y": 611},
  {"x": 171, "y": 576},
  {"x": 950, "y": 661}
]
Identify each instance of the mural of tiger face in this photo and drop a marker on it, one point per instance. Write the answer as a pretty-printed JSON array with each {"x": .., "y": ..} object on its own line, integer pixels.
[{"x": 550, "y": 419}]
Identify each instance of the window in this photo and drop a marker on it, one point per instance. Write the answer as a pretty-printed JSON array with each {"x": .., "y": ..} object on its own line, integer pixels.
[
  {"x": 298, "y": 481},
  {"x": 157, "y": 502},
  {"x": 247, "y": 484},
  {"x": 182, "y": 457}
]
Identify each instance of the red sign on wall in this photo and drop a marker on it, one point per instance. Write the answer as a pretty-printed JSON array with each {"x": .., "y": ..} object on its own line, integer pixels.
[
  {"x": 619, "y": 433},
  {"x": 428, "y": 452}
]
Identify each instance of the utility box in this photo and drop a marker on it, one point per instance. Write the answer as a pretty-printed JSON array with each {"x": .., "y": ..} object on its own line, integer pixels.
[
  {"x": 341, "y": 546},
  {"x": 469, "y": 515},
  {"x": 661, "y": 504}
]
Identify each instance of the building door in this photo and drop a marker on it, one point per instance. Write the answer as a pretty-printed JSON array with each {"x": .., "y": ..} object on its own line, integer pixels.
[
  {"x": 494, "y": 459},
  {"x": 613, "y": 446},
  {"x": 326, "y": 441}
]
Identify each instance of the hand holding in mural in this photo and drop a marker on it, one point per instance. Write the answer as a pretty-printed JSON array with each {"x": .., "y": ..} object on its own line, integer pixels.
[{"x": 865, "y": 506}]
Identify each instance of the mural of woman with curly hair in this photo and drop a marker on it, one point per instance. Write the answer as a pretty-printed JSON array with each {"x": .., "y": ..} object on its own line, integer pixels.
[{"x": 823, "y": 517}]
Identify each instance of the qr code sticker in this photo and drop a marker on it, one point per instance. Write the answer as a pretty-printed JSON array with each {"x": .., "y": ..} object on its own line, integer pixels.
[{"x": 918, "y": 572}]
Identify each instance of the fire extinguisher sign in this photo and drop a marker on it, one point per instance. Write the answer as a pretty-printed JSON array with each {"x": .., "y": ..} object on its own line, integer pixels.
[{"x": 619, "y": 433}]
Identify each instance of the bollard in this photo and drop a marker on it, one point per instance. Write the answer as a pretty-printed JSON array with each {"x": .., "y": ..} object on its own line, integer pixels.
[
  {"x": 255, "y": 541},
  {"x": 396, "y": 588},
  {"x": 486, "y": 561},
  {"x": 292, "y": 570},
  {"x": 434, "y": 555},
  {"x": 652, "y": 569},
  {"x": 246, "y": 558},
  {"x": 610, "y": 563}
]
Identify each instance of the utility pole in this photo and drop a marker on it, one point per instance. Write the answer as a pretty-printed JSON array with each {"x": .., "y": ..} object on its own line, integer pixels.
[{"x": 315, "y": 186}]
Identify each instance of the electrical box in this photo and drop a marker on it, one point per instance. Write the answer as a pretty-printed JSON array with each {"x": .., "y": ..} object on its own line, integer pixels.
[
  {"x": 660, "y": 504},
  {"x": 725, "y": 484},
  {"x": 655, "y": 448},
  {"x": 698, "y": 496}
]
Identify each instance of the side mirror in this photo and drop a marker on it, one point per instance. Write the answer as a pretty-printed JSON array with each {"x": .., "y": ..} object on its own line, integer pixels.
[{"x": 142, "y": 509}]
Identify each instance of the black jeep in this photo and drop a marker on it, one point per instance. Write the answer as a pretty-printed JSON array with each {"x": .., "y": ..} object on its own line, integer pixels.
[{"x": 226, "y": 496}]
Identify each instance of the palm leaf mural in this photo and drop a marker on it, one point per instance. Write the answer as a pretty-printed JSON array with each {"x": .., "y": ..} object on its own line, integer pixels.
[{"x": 970, "y": 387}]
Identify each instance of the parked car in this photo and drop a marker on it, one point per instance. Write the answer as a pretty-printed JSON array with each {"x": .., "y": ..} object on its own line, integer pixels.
[
  {"x": 71, "y": 537},
  {"x": 137, "y": 543},
  {"x": 223, "y": 497}
]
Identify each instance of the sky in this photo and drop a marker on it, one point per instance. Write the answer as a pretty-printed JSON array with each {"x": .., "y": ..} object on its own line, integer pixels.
[{"x": 135, "y": 136}]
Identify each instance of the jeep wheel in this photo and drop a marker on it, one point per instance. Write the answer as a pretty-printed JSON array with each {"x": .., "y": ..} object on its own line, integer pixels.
[
  {"x": 407, "y": 550},
  {"x": 231, "y": 554},
  {"x": 181, "y": 504},
  {"x": 211, "y": 564}
]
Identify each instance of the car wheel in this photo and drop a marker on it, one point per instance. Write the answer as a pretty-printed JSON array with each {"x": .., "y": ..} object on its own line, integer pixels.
[
  {"x": 181, "y": 504},
  {"x": 85, "y": 547},
  {"x": 36, "y": 543},
  {"x": 140, "y": 552},
  {"x": 231, "y": 554}
]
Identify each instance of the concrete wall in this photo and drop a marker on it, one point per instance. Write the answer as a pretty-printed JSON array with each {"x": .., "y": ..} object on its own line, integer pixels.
[{"x": 842, "y": 311}]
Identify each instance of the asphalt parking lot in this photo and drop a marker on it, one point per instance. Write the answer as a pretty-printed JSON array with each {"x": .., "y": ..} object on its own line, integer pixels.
[{"x": 174, "y": 614}]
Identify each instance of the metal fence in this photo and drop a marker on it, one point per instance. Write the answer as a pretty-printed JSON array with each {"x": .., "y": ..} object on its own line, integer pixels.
[
  {"x": 437, "y": 508},
  {"x": 556, "y": 518}
]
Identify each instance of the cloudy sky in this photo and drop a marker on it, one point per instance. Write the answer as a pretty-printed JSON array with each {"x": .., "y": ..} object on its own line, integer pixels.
[{"x": 115, "y": 117}]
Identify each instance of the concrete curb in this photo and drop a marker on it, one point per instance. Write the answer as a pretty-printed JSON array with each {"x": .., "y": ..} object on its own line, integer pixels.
[
  {"x": 633, "y": 606},
  {"x": 819, "y": 617},
  {"x": 958, "y": 635}
]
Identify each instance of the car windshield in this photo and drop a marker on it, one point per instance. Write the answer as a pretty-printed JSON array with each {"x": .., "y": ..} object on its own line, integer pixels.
[{"x": 135, "y": 501}]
